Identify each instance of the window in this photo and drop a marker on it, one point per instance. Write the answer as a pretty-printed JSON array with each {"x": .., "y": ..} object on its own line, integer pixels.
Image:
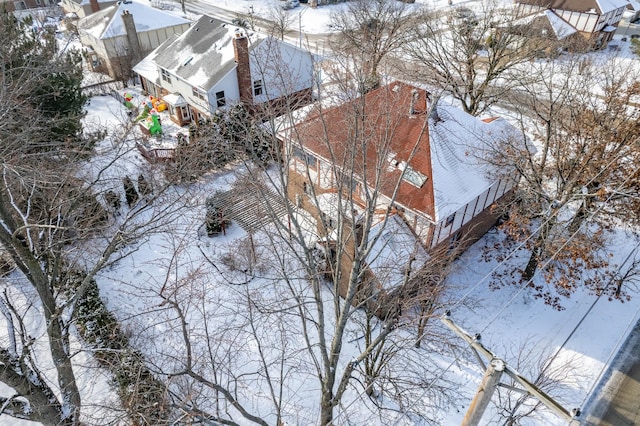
[
  {"x": 450, "y": 220},
  {"x": 38, "y": 2},
  {"x": 257, "y": 88},
  {"x": 20, "y": 5},
  {"x": 414, "y": 177},
  {"x": 220, "y": 100},
  {"x": 308, "y": 159},
  {"x": 166, "y": 75},
  {"x": 200, "y": 94}
]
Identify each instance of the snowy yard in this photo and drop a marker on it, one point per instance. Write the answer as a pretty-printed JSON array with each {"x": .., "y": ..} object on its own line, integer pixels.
[
  {"x": 227, "y": 302},
  {"x": 189, "y": 267}
]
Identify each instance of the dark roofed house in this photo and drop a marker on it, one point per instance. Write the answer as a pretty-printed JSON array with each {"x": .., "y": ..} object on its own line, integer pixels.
[{"x": 429, "y": 157}]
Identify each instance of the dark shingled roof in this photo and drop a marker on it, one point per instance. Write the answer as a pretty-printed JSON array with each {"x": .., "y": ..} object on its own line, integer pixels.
[{"x": 202, "y": 55}]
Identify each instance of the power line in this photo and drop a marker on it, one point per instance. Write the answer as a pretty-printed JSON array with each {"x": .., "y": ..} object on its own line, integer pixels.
[{"x": 592, "y": 215}]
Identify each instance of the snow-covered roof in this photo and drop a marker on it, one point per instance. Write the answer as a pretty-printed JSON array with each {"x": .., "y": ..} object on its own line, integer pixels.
[
  {"x": 560, "y": 27},
  {"x": 460, "y": 144},
  {"x": 438, "y": 162},
  {"x": 108, "y": 23},
  {"x": 203, "y": 54},
  {"x": 148, "y": 69},
  {"x": 546, "y": 19},
  {"x": 396, "y": 254},
  {"x": 328, "y": 202},
  {"x": 633, "y": 5},
  {"x": 609, "y": 5},
  {"x": 174, "y": 99}
]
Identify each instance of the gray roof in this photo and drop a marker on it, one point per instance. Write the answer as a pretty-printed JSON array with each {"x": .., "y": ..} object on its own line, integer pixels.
[
  {"x": 107, "y": 23},
  {"x": 202, "y": 55}
]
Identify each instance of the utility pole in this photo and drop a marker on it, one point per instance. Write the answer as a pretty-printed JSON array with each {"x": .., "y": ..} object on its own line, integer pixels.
[
  {"x": 485, "y": 391},
  {"x": 492, "y": 379}
]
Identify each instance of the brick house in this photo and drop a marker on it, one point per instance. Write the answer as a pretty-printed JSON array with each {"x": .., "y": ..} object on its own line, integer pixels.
[
  {"x": 214, "y": 65},
  {"x": 119, "y": 36},
  {"x": 595, "y": 20},
  {"x": 428, "y": 157}
]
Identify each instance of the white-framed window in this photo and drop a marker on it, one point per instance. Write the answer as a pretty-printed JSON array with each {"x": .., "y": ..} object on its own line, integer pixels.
[
  {"x": 450, "y": 220},
  {"x": 166, "y": 75},
  {"x": 257, "y": 88},
  {"x": 220, "y": 99},
  {"x": 199, "y": 93},
  {"x": 414, "y": 177}
]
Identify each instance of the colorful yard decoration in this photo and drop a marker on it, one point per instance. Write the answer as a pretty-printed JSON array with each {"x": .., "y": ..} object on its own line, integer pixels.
[
  {"x": 144, "y": 114},
  {"x": 158, "y": 104},
  {"x": 155, "y": 128},
  {"x": 128, "y": 97}
]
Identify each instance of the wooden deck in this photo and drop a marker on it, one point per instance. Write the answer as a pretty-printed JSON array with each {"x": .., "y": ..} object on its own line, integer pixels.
[{"x": 252, "y": 206}]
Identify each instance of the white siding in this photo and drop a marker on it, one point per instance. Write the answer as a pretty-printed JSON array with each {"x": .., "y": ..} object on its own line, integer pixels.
[
  {"x": 282, "y": 68},
  {"x": 227, "y": 84}
]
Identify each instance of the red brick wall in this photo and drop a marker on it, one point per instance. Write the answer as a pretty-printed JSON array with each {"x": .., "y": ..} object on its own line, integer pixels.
[{"x": 243, "y": 70}]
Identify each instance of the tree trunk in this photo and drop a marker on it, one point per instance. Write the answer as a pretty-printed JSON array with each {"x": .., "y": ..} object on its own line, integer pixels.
[
  {"x": 538, "y": 248},
  {"x": 42, "y": 402},
  {"x": 326, "y": 406}
]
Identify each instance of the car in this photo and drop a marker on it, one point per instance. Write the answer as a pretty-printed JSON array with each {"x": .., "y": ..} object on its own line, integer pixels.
[
  {"x": 290, "y": 4},
  {"x": 462, "y": 16}
]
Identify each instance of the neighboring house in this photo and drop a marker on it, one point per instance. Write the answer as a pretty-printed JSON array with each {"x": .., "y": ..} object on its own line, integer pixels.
[
  {"x": 39, "y": 10},
  {"x": 595, "y": 20},
  {"x": 214, "y": 65},
  {"x": 545, "y": 25},
  {"x": 438, "y": 154},
  {"x": 84, "y": 8},
  {"x": 119, "y": 36}
]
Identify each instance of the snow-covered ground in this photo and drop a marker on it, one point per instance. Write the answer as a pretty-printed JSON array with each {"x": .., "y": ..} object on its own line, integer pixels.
[
  {"x": 521, "y": 329},
  {"x": 581, "y": 338}
]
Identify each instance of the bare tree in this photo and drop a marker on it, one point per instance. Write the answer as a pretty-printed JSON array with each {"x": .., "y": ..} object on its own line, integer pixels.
[
  {"x": 469, "y": 54},
  {"x": 368, "y": 32},
  {"x": 583, "y": 168},
  {"x": 280, "y": 21},
  {"x": 515, "y": 405},
  {"x": 53, "y": 225}
]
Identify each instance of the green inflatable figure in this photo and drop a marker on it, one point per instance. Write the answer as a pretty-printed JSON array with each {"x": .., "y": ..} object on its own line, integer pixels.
[
  {"x": 144, "y": 114},
  {"x": 156, "y": 128},
  {"x": 127, "y": 100}
]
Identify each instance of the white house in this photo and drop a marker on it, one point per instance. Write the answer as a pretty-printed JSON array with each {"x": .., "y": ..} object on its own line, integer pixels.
[
  {"x": 215, "y": 64},
  {"x": 82, "y": 8},
  {"x": 117, "y": 37}
]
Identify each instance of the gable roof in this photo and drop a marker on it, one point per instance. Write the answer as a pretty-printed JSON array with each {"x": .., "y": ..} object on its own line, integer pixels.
[
  {"x": 545, "y": 22},
  {"x": 584, "y": 6},
  {"x": 441, "y": 150},
  {"x": 107, "y": 23},
  {"x": 396, "y": 254},
  {"x": 202, "y": 55}
]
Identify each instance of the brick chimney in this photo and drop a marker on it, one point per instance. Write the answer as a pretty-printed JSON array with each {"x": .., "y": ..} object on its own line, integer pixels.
[
  {"x": 135, "y": 51},
  {"x": 95, "y": 6},
  {"x": 419, "y": 103},
  {"x": 243, "y": 70}
]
